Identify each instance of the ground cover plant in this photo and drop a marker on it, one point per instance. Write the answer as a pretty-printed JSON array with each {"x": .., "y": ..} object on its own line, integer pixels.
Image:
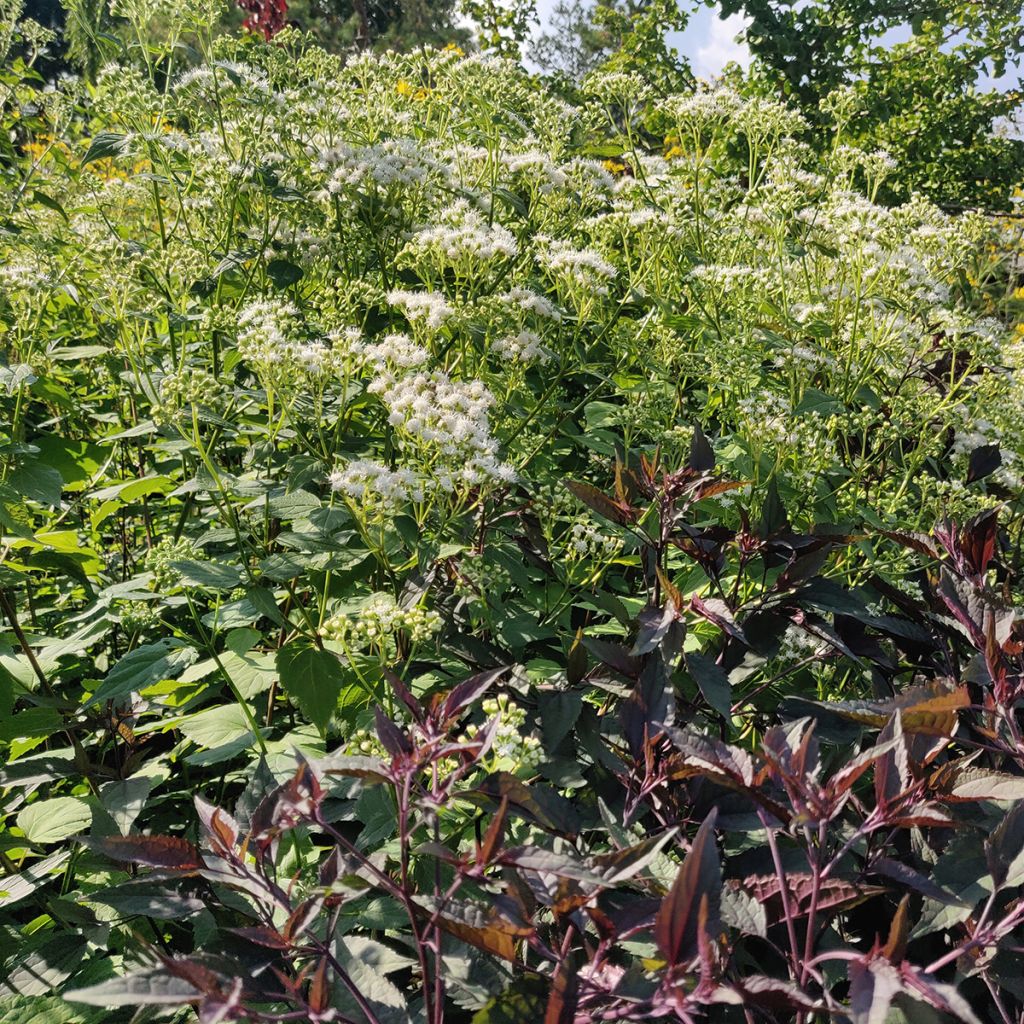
[{"x": 471, "y": 555}]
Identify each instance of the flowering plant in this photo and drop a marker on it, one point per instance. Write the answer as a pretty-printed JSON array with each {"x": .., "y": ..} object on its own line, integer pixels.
[{"x": 468, "y": 555}]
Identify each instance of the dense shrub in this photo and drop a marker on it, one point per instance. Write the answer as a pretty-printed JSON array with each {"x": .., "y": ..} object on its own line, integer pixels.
[{"x": 484, "y": 558}]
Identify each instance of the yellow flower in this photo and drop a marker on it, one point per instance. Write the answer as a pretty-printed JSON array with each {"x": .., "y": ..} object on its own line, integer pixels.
[
  {"x": 455, "y": 48},
  {"x": 404, "y": 88},
  {"x": 614, "y": 167}
]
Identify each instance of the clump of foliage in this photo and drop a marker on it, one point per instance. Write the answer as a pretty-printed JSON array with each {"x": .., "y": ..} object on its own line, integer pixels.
[
  {"x": 922, "y": 98},
  {"x": 470, "y": 556}
]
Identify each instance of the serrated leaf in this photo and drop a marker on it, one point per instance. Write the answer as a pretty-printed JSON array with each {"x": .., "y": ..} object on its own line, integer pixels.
[
  {"x": 156, "y": 987},
  {"x": 123, "y": 799},
  {"x": 41, "y": 967},
  {"x": 16, "y": 887},
  {"x": 873, "y": 985},
  {"x": 146, "y": 899},
  {"x": 215, "y": 727},
  {"x": 601, "y": 503},
  {"x": 103, "y": 145},
  {"x": 170, "y": 853},
  {"x": 743, "y": 912},
  {"x": 1004, "y": 850},
  {"x": 313, "y": 679},
  {"x": 283, "y": 273},
  {"x": 49, "y": 821},
  {"x": 37, "y": 482},
  {"x": 146, "y": 665},
  {"x": 209, "y": 575},
  {"x": 712, "y": 681}
]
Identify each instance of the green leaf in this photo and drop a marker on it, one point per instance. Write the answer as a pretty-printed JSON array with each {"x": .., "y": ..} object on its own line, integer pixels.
[
  {"x": 37, "y": 482},
  {"x": 251, "y": 673},
  {"x": 16, "y": 887},
  {"x": 815, "y": 402},
  {"x": 523, "y": 1002},
  {"x": 208, "y": 575},
  {"x": 123, "y": 799},
  {"x": 104, "y": 144},
  {"x": 49, "y": 202},
  {"x": 283, "y": 273},
  {"x": 743, "y": 912},
  {"x": 49, "y": 821},
  {"x": 559, "y": 710},
  {"x": 1004, "y": 850},
  {"x": 30, "y": 723},
  {"x": 77, "y": 462},
  {"x": 215, "y": 727},
  {"x": 146, "y": 665},
  {"x": 367, "y": 963},
  {"x": 40, "y": 1010},
  {"x": 313, "y": 679},
  {"x": 44, "y": 963}
]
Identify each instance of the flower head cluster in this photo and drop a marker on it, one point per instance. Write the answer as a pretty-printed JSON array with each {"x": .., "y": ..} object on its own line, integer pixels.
[
  {"x": 398, "y": 163},
  {"x": 187, "y": 387},
  {"x": 584, "y": 269},
  {"x": 449, "y": 418},
  {"x": 394, "y": 351},
  {"x": 513, "y": 750},
  {"x": 463, "y": 240},
  {"x": 160, "y": 557},
  {"x": 372, "y": 484},
  {"x": 429, "y": 308},
  {"x": 524, "y": 347},
  {"x": 269, "y": 339},
  {"x": 377, "y": 620}
]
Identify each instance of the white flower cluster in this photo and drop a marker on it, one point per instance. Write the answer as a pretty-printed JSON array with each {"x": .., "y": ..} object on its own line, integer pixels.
[
  {"x": 582, "y": 268},
  {"x": 699, "y": 110},
  {"x": 524, "y": 347},
  {"x": 397, "y": 351},
  {"x": 396, "y": 162},
  {"x": 429, "y": 308},
  {"x": 528, "y": 301},
  {"x": 371, "y": 483},
  {"x": 377, "y": 621},
  {"x": 268, "y": 339},
  {"x": 513, "y": 749},
  {"x": 449, "y": 418},
  {"x": 462, "y": 239},
  {"x": 586, "y": 541}
]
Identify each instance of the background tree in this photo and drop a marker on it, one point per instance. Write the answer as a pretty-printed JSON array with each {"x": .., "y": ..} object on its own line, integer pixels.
[
  {"x": 921, "y": 98},
  {"x": 582, "y": 37}
]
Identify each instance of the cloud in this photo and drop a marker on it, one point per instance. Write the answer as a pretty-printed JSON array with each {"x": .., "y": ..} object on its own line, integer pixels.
[{"x": 721, "y": 46}]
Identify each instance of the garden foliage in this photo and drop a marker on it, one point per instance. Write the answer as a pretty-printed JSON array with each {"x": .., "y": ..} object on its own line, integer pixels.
[{"x": 471, "y": 557}]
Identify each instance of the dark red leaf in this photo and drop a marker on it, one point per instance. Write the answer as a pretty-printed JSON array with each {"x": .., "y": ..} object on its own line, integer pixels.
[
  {"x": 678, "y": 920},
  {"x": 601, "y": 503},
  {"x": 392, "y": 738},
  {"x": 167, "y": 852},
  {"x": 467, "y": 692}
]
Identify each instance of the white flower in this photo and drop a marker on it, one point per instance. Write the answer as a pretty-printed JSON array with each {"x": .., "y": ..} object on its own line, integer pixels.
[
  {"x": 523, "y": 347},
  {"x": 365, "y": 480},
  {"x": 429, "y": 307}
]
